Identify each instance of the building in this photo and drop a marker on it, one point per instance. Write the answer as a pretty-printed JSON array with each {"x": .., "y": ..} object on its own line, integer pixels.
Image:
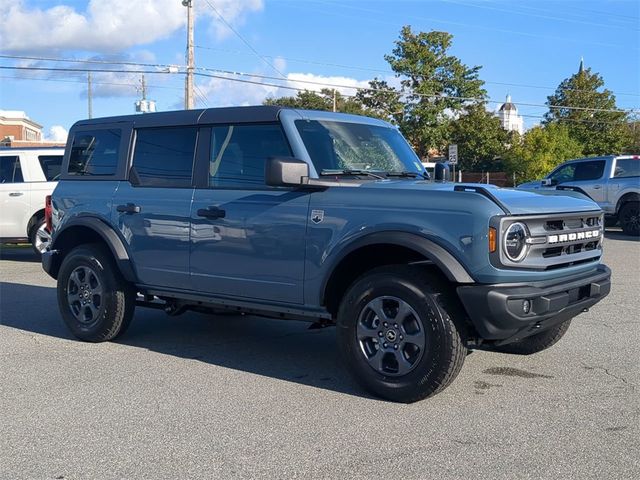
[
  {"x": 508, "y": 115},
  {"x": 17, "y": 130}
]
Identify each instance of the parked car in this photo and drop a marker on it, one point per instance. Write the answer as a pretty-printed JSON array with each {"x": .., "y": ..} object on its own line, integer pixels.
[
  {"x": 27, "y": 176},
  {"x": 315, "y": 216},
  {"x": 611, "y": 181}
]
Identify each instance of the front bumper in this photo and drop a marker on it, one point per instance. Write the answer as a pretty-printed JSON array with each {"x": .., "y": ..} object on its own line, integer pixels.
[{"x": 497, "y": 311}]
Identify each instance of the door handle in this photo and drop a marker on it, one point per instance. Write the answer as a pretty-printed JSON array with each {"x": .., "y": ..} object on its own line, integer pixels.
[
  {"x": 128, "y": 208},
  {"x": 212, "y": 212},
  {"x": 16, "y": 194},
  {"x": 597, "y": 187}
]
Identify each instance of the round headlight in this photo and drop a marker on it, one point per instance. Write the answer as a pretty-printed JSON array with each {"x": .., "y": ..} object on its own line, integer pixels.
[{"x": 515, "y": 242}]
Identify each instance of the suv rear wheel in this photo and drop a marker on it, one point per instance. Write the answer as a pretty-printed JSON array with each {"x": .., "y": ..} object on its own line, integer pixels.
[
  {"x": 630, "y": 218},
  {"x": 96, "y": 303},
  {"x": 396, "y": 333}
]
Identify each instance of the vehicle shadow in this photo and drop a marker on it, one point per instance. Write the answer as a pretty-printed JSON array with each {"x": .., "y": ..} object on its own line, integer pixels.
[
  {"x": 22, "y": 253},
  {"x": 617, "y": 234},
  {"x": 285, "y": 350}
]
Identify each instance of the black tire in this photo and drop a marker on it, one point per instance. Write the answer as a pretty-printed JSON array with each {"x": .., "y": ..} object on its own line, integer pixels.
[
  {"x": 36, "y": 239},
  {"x": 435, "y": 366},
  {"x": 536, "y": 343},
  {"x": 85, "y": 271},
  {"x": 630, "y": 218}
]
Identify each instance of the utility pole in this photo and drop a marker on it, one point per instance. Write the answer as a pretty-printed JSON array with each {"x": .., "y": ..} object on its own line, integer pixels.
[
  {"x": 89, "y": 95},
  {"x": 143, "y": 88},
  {"x": 188, "y": 86}
]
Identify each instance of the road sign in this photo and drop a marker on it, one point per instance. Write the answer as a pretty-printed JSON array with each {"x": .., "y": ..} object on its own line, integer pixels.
[{"x": 453, "y": 154}]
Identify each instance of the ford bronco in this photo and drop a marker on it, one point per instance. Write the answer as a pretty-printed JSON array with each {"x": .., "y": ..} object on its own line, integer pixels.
[{"x": 315, "y": 216}]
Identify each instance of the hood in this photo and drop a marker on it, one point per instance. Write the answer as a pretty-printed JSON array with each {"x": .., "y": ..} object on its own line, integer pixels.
[{"x": 518, "y": 202}]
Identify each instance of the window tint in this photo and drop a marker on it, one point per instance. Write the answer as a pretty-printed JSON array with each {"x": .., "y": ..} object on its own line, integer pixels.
[
  {"x": 589, "y": 170},
  {"x": 239, "y": 153},
  {"x": 10, "y": 171},
  {"x": 163, "y": 157},
  {"x": 95, "y": 152},
  {"x": 563, "y": 174},
  {"x": 50, "y": 166},
  {"x": 627, "y": 167}
]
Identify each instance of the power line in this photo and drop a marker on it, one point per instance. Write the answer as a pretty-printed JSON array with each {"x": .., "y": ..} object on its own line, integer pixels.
[
  {"x": 246, "y": 42},
  {"x": 223, "y": 74},
  {"x": 168, "y": 66},
  {"x": 537, "y": 15}
]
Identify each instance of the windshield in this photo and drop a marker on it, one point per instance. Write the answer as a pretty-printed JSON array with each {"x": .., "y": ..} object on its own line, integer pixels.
[{"x": 356, "y": 146}]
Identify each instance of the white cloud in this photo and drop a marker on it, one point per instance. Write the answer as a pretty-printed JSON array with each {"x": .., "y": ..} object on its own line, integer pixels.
[
  {"x": 57, "y": 133},
  {"x": 106, "y": 25},
  {"x": 221, "y": 92}
]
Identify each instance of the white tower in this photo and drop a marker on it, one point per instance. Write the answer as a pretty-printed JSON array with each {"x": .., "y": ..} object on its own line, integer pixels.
[{"x": 508, "y": 114}]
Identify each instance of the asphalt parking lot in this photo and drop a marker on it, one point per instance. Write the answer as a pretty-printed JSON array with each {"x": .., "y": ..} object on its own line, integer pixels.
[{"x": 213, "y": 397}]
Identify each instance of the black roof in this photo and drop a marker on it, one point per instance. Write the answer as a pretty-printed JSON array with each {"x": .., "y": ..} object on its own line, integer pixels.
[{"x": 254, "y": 114}]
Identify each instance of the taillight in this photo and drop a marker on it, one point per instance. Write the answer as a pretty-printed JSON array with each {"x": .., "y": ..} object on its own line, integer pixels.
[{"x": 47, "y": 213}]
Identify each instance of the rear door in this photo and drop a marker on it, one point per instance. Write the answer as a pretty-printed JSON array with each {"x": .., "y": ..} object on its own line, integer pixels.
[
  {"x": 151, "y": 209},
  {"x": 14, "y": 198},
  {"x": 247, "y": 239}
]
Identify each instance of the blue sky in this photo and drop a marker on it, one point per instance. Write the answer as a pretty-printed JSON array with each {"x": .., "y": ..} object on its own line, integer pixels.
[{"x": 525, "y": 48}]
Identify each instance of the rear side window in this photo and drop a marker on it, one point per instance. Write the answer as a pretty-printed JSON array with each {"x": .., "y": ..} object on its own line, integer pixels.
[
  {"x": 627, "y": 167},
  {"x": 95, "y": 152},
  {"x": 10, "y": 171},
  {"x": 163, "y": 157},
  {"x": 589, "y": 170},
  {"x": 50, "y": 166},
  {"x": 239, "y": 153}
]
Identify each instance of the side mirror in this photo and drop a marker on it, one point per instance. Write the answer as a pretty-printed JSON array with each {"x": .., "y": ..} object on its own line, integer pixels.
[
  {"x": 286, "y": 172},
  {"x": 546, "y": 182}
]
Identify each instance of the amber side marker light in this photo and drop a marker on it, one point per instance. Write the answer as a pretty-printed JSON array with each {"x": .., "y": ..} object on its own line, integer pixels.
[{"x": 492, "y": 240}]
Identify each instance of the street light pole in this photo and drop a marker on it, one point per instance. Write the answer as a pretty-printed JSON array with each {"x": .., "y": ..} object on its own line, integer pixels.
[{"x": 188, "y": 86}]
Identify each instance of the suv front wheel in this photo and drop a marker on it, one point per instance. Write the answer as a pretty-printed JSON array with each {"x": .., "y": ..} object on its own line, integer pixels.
[
  {"x": 396, "y": 333},
  {"x": 96, "y": 303}
]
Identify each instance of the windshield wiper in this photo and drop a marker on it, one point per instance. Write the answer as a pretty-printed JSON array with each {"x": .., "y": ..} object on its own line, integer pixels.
[
  {"x": 348, "y": 171},
  {"x": 409, "y": 174}
]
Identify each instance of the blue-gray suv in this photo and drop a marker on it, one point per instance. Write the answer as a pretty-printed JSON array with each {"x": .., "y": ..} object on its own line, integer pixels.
[{"x": 315, "y": 216}]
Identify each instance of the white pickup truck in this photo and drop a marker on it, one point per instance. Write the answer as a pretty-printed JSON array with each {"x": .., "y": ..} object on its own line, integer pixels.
[
  {"x": 27, "y": 176},
  {"x": 611, "y": 181}
]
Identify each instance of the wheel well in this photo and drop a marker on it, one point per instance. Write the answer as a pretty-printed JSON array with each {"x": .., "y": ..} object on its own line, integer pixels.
[
  {"x": 366, "y": 258},
  {"x": 627, "y": 197},
  {"x": 34, "y": 220},
  {"x": 72, "y": 237}
]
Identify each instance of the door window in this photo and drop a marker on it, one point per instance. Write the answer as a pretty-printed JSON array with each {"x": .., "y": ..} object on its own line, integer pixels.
[
  {"x": 10, "y": 171},
  {"x": 95, "y": 152},
  {"x": 563, "y": 174},
  {"x": 163, "y": 157},
  {"x": 239, "y": 153},
  {"x": 589, "y": 170}
]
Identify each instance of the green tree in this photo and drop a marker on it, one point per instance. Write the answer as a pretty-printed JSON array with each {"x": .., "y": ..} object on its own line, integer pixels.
[
  {"x": 481, "y": 140},
  {"x": 541, "y": 149},
  {"x": 633, "y": 137},
  {"x": 435, "y": 86},
  {"x": 320, "y": 101},
  {"x": 589, "y": 112}
]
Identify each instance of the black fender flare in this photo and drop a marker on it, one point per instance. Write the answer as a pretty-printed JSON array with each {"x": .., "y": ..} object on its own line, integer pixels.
[
  {"x": 108, "y": 235},
  {"x": 442, "y": 258}
]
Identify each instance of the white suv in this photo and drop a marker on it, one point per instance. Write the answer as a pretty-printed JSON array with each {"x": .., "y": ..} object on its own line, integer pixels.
[{"x": 27, "y": 176}]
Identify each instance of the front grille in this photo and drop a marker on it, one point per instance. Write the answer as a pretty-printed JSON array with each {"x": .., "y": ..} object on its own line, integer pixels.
[{"x": 559, "y": 241}]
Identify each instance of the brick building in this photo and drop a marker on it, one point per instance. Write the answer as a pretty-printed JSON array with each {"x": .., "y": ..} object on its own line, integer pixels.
[{"x": 17, "y": 130}]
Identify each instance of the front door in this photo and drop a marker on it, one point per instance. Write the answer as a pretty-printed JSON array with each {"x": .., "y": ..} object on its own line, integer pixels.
[
  {"x": 15, "y": 194},
  {"x": 247, "y": 239}
]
